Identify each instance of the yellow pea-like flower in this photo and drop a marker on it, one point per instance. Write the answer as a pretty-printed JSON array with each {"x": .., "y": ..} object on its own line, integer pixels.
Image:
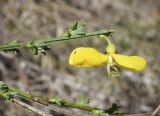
[
  {"x": 90, "y": 57},
  {"x": 87, "y": 57}
]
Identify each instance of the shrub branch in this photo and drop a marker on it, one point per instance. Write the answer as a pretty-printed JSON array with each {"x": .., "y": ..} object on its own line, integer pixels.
[
  {"x": 10, "y": 93},
  {"x": 13, "y": 46}
]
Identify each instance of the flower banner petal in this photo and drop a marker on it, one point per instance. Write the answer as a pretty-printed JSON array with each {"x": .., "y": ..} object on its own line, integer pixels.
[{"x": 87, "y": 57}]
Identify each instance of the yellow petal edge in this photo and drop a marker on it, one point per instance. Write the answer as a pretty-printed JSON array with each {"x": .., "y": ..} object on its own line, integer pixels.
[{"x": 132, "y": 63}]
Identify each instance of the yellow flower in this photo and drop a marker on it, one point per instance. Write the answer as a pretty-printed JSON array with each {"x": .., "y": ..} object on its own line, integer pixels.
[
  {"x": 90, "y": 57},
  {"x": 87, "y": 57}
]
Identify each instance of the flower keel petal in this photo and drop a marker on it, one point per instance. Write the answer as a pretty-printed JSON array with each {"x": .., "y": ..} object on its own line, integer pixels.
[{"x": 132, "y": 63}]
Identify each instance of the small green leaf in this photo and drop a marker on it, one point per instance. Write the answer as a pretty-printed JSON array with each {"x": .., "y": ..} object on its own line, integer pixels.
[
  {"x": 77, "y": 29},
  {"x": 83, "y": 101},
  {"x": 57, "y": 100},
  {"x": 34, "y": 50},
  {"x": 33, "y": 47},
  {"x": 37, "y": 47},
  {"x": 29, "y": 44},
  {"x": 9, "y": 95},
  {"x": 13, "y": 42},
  {"x": 99, "y": 113},
  {"x": 3, "y": 86},
  {"x": 5, "y": 92},
  {"x": 67, "y": 34},
  {"x": 74, "y": 27}
]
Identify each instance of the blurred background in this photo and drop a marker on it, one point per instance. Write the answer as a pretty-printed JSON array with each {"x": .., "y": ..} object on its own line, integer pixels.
[{"x": 136, "y": 24}]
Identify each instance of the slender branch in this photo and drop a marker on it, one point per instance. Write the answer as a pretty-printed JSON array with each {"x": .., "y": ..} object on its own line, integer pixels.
[
  {"x": 30, "y": 108},
  {"x": 57, "y": 110},
  {"x": 45, "y": 101},
  {"x": 82, "y": 107},
  {"x": 63, "y": 111},
  {"x": 156, "y": 111},
  {"x": 46, "y": 41},
  {"x": 9, "y": 93}
]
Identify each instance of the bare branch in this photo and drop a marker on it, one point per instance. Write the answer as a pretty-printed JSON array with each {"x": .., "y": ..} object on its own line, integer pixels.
[
  {"x": 156, "y": 111},
  {"x": 28, "y": 107}
]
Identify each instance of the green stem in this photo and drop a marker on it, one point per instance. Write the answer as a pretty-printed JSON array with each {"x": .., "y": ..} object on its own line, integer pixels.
[
  {"x": 82, "y": 107},
  {"x": 39, "y": 99},
  {"x": 106, "y": 38},
  {"x": 45, "y": 101},
  {"x": 9, "y": 93},
  {"x": 43, "y": 42}
]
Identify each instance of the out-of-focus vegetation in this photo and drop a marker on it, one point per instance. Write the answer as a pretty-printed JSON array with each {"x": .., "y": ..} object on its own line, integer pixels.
[{"x": 136, "y": 24}]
